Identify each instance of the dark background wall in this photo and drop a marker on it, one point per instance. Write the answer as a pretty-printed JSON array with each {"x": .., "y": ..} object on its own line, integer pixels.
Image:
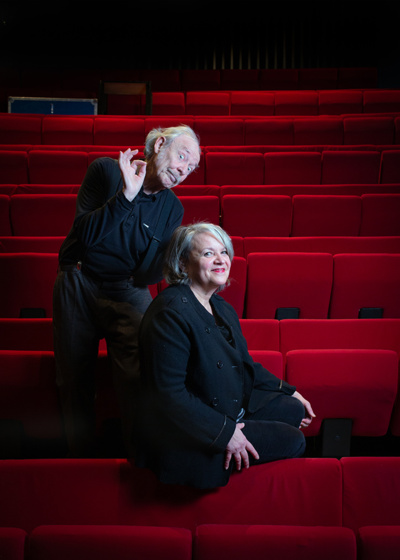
[{"x": 188, "y": 34}]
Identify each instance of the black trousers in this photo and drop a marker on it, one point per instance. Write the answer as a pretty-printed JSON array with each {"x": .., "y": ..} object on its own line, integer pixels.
[
  {"x": 274, "y": 429},
  {"x": 84, "y": 312}
]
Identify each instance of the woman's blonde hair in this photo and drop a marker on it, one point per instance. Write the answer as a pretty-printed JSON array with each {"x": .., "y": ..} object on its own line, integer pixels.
[{"x": 181, "y": 245}]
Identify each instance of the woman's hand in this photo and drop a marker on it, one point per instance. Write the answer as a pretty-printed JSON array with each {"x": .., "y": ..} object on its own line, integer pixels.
[
  {"x": 239, "y": 447},
  {"x": 133, "y": 173},
  {"x": 309, "y": 411}
]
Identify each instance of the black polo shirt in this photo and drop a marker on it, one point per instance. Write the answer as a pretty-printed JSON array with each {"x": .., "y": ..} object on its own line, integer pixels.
[{"x": 110, "y": 234}]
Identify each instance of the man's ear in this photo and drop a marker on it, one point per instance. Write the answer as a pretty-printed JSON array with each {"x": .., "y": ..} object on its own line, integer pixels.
[{"x": 158, "y": 144}]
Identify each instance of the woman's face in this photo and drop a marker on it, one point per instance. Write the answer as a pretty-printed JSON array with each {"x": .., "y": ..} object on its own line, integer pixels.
[{"x": 209, "y": 264}]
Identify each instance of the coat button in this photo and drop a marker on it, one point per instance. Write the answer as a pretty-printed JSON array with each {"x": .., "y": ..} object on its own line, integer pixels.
[
  {"x": 184, "y": 300},
  {"x": 220, "y": 364},
  {"x": 208, "y": 330},
  {"x": 215, "y": 401}
]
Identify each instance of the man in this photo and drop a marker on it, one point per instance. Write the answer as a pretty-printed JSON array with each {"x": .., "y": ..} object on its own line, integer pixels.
[{"x": 100, "y": 291}]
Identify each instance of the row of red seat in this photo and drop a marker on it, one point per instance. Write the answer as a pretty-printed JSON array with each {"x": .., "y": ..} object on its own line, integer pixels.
[
  {"x": 264, "y": 286},
  {"x": 220, "y": 168},
  {"x": 243, "y": 215},
  {"x": 230, "y": 130},
  {"x": 99, "y": 508}
]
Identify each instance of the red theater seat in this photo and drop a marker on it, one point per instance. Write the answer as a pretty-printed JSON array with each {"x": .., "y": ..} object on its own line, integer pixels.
[
  {"x": 382, "y": 101},
  {"x": 259, "y": 132},
  {"x": 57, "y": 167},
  {"x": 365, "y": 285},
  {"x": 234, "y": 79},
  {"x": 371, "y": 492},
  {"x": 109, "y": 541},
  {"x": 14, "y": 167},
  {"x": 200, "y": 79},
  {"x": 215, "y": 131},
  {"x": 282, "y": 284},
  {"x": 234, "y": 168},
  {"x": 292, "y": 168},
  {"x": 168, "y": 103},
  {"x": 330, "y": 215},
  {"x": 26, "y": 334},
  {"x": 165, "y": 121},
  {"x": 12, "y": 543},
  {"x": 361, "y": 78},
  {"x": 42, "y": 214},
  {"x": 29, "y": 244},
  {"x": 20, "y": 129},
  {"x": 114, "y": 131},
  {"x": 236, "y": 291},
  {"x": 329, "y": 379},
  {"x": 352, "y": 166},
  {"x": 257, "y": 103},
  {"x": 200, "y": 209},
  {"x": 390, "y": 166},
  {"x": 207, "y": 103},
  {"x": 274, "y": 79},
  {"x": 26, "y": 284},
  {"x": 29, "y": 395},
  {"x": 261, "y": 334},
  {"x": 368, "y": 130},
  {"x": 379, "y": 542},
  {"x": 380, "y": 214},
  {"x": 67, "y": 130},
  {"x": 257, "y": 215},
  {"x": 340, "y": 102},
  {"x": 270, "y": 360},
  {"x": 213, "y": 542},
  {"x": 296, "y": 103},
  {"x": 317, "y": 78},
  {"x": 5, "y": 224},
  {"x": 327, "y": 131}
]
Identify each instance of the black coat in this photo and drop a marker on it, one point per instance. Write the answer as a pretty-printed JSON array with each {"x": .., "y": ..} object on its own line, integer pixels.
[{"x": 194, "y": 384}]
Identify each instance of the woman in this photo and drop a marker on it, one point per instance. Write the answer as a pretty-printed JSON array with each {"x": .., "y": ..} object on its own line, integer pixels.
[{"x": 207, "y": 407}]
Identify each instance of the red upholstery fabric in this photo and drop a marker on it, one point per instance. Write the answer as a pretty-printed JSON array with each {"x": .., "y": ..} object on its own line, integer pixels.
[
  {"x": 330, "y": 379},
  {"x": 5, "y": 223},
  {"x": 196, "y": 190},
  {"x": 26, "y": 334},
  {"x": 381, "y": 101},
  {"x": 63, "y": 167},
  {"x": 279, "y": 280},
  {"x": 67, "y": 130},
  {"x": 376, "y": 543},
  {"x": 371, "y": 491},
  {"x": 215, "y": 131},
  {"x": 257, "y": 103},
  {"x": 237, "y": 244},
  {"x": 26, "y": 282},
  {"x": 323, "y": 244},
  {"x": 253, "y": 215},
  {"x": 213, "y": 542},
  {"x": 200, "y": 79},
  {"x": 200, "y": 209},
  {"x": 111, "y": 131},
  {"x": 232, "y": 79},
  {"x": 296, "y": 103},
  {"x": 207, "y": 103},
  {"x": 12, "y": 543},
  {"x": 114, "y": 492},
  {"x": 318, "y": 131},
  {"x": 296, "y": 168},
  {"x": 352, "y": 166},
  {"x": 380, "y": 214},
  {"x": 22, "y": 244},
  {"x": 272, "y": 361},
  {"x": 13, "y": 166},
  {"x": 339, "y": 102},
  {"x": 390, "y": 166},
  {"x": 46, "y": 189},
  {"x": 42, "y": 214},
  {"x": 29, "y": 393},
  {"x": 265, "y": 131},
  {"x": 368, "y": 130},
  {"x": 261, "y": 334},
  {"x": 164, "y": 121},
  {"x": 330, "y": 215},
  {"x": 234, "y": 168},
  {"x": 104, "y": 542},
  {"x": 20, "y": 129},
  {"x": 397, "y": 130},
  {"x": 317, "y": 78},
  {"x": 168, "y": 103},
  {"x": 279, "y": 78},
  {"x": 235, "y": 293},
  {"x": 365, "y": 280},
  {"x": 363, "y": 77}
]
